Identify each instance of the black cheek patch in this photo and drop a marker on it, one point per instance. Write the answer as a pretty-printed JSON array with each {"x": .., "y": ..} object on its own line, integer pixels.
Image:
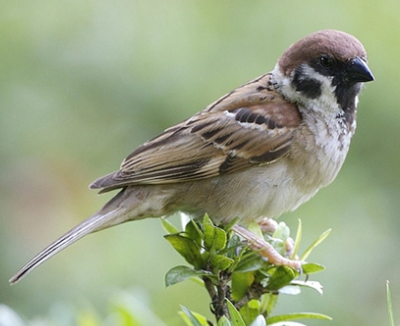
[{"x": 309, "y": 87}]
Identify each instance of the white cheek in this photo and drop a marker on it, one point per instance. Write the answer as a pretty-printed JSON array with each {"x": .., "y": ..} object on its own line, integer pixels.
[
  {"x": 327, "y": 97},
  {"x": 327, "y": 100}
]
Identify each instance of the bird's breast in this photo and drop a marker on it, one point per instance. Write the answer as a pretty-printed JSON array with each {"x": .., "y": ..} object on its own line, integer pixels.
[
  {"x": 268, "y": 190},
  {"x": 318, "y": 152}
]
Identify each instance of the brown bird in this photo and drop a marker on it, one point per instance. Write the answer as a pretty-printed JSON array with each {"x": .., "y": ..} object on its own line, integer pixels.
[{"x": 259, "y": 151}]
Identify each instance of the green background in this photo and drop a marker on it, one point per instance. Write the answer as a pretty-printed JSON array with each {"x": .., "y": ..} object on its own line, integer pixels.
[{"x": 83, "y": 83}]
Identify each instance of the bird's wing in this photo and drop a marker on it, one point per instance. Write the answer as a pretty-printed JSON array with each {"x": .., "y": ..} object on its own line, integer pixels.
[{"x": 250, "y": 126}]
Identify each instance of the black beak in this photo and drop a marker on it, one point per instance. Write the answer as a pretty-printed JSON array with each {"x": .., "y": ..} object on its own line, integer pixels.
[{"x": 358, "y": 71}]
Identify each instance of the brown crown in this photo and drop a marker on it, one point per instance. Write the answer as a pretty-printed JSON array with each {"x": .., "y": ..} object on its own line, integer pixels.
[{"x": 336, "y": 44}]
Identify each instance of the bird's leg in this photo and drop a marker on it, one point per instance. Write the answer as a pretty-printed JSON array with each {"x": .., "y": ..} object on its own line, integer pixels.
[{"x": 265, "y": 249}]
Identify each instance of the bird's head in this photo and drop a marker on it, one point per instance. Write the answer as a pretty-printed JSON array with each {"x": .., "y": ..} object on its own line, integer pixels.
[{"x": 324, "y": 67}]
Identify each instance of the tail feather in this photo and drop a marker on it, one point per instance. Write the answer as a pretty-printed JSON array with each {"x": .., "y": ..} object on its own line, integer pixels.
[{"x": 94, "y": 223}]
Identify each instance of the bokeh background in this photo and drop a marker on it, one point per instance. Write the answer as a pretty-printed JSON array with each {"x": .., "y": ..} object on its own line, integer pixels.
[{"x": 83, "y": 83}]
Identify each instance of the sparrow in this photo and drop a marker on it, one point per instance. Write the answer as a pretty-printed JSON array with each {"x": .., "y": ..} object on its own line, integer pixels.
[{"x": 259, "y": 151}]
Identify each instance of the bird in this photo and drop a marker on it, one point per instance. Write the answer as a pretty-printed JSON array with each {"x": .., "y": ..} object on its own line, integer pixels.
[{"x": 261, "y": 150}]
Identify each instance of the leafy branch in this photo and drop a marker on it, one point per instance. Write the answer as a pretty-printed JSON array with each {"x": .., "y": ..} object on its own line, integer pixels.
[{"x": 243, "y": 286}]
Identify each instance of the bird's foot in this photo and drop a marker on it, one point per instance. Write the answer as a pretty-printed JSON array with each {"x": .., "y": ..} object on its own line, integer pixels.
[
  {"x": 266, "y": 250},
  {"x": 269, "y": 225}
]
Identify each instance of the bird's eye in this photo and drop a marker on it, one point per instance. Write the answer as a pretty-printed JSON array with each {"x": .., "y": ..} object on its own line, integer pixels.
[{"x": 326, "y": 61}]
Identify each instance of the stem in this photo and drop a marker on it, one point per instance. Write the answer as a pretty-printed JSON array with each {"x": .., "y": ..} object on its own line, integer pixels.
[
  {"x": 255, "y": 291},
  {"x": 218, "y": 294}
]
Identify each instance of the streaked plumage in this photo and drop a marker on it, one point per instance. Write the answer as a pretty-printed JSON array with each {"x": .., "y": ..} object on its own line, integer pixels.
[{"x": 227, "y": 137}]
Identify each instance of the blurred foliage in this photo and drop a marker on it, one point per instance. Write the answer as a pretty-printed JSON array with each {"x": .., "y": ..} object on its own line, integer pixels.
[
  {"x": 124, "y": 309},
  {"x": 85, "y": 82}
]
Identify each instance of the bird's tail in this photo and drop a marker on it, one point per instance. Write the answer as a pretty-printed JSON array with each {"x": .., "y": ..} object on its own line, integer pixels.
[{"x": 96, "y": 222}]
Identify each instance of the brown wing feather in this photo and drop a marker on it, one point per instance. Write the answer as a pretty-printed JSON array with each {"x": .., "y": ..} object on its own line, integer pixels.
[{"x": 250, "y": 126}]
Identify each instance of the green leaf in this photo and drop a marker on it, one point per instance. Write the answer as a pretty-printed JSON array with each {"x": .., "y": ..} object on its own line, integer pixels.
[
  {"x": 268, "y": 303},
  {"x": 207, "y": 220},
  {"x": 290, "y": 289},
  {"x": 279, "y": 238},
  {"x": 221, "y": 262},
  {"x": 250, "y": 262},
  {"x": 234, "y": 241},
  {"x": 287, "y": 323},
  {"x": 259, "y": 321},
  {"x": 250, "y": 311},
  {"x": 300, "y": 315},
  {"x": 193, "y": 232},
  {"x": 181, "y": 273},
  {"x": 233, "y": 246},
  {"x": 297, "y": 240},
  {"x": 321, "y": 238},
  {"x": 236, "y": 319},
  {"x": 282, "y": 232},
  {"x": 223, "y": 321},
  {"x": 188, "y": 249},
  {"x": 254, "y": 227},
  {"x": 214, "y": 237},
  {"x": 228, "y": 227},
  {"x": 310, "y": 268},
  {"x": 309, "y": 284},
  {"x": 282, "y": 276},
  {"x": 168, "y": 226},
  {"x": 240, "y": 284},
  {"x": 193, "y": 319}
]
